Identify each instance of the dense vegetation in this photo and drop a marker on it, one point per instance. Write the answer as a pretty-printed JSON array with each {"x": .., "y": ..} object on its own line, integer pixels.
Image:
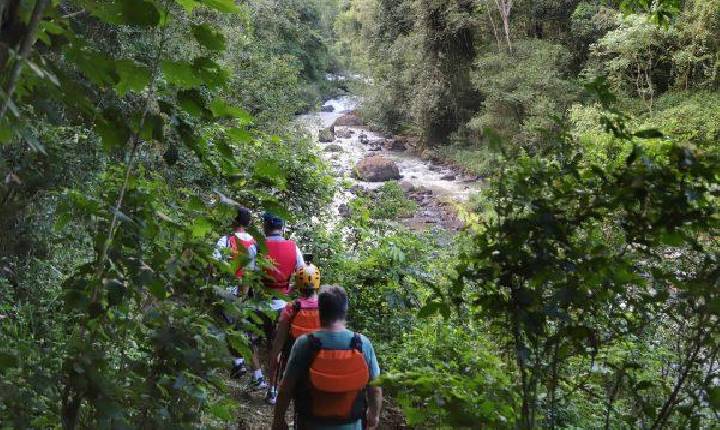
[{"x": 583, "y": 292}]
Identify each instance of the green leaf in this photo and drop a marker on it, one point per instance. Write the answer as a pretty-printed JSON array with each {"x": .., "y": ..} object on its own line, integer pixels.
[
  {"x": 191, "y": 101},
  {"x": 113, "y": 131},
  {"x": 208, "y": 37},
  {"x": 201, "y": 227},
  {"x": 714, "y": 397},
  {"x": 210, "y": 73},
  {"x": 133, "y": 77},
  {"x": 180, "y": 74},
  {"x": 239, "y": 135},
  {"x": 97, "y": 67},
  {"x": 226, "y": 6},
  {"x": 188, "y": 5},
  {"x": 139, "y": 13},
  {"x": 220, "y": 108}
]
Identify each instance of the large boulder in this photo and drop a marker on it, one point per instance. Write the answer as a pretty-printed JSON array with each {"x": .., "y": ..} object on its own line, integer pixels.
[
  {"x": 327, "y": 134},
  {"x": 327, "y": 108},
  {"x": 376, "y": 169},
  {"x": 350, "y": 119}
]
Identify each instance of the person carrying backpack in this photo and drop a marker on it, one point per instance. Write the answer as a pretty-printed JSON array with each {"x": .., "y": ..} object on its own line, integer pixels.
[
  {"x": 299, "y": 317},
  {"x": 241, "y": 246},
  {"x": 284, "y": 254},
  {"x": 328, "y": 374}
]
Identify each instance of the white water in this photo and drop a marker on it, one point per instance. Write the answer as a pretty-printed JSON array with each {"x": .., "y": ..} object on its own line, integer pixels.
[{"x": 412, "y": 168}]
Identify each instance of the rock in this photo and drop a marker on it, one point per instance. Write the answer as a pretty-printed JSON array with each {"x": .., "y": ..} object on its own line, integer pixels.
[
  {"x": 434, "y": 168},
  {"x": 376, "y": 169},
  {"x": 362, "y": 136},
  {"x": 327, "y": 108},
  {"x": 388, "y": 135},
  {"x": 448, "y": 177},
  {"x": 364, "y": 142},
  {"x": 344, "y": 133},
  {"x": 344, "y": 210},
  {"x": 395, "y": 145},
  {"x": 426, "y": 155},
  {"x": 327, "y": 134},
  {"x": 333, "y": 148},
  {"x": 407, "y": 186},
  {"x": 375, "y": 148},
  {"x": 348, "y": 120}
]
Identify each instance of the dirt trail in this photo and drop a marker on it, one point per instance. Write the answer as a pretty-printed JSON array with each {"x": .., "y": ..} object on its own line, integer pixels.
[{"x": 255, "y": 414}]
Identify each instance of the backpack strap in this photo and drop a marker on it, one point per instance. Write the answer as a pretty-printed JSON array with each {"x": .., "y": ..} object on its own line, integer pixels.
[
  {"x": 356, "y": 343},
  {"x": 296, "y": 307},
  {"x": 315, "y": 343}
]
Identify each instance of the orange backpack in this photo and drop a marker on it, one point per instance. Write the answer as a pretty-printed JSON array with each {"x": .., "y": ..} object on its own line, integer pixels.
[
  {"x": 303, "y": 320},
  {"x": 335, "y": 390}
]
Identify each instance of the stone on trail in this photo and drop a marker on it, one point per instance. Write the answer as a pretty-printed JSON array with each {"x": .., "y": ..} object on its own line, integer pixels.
[
  {"x": 348, "y": 120},
  {"x": 327, "y": 134},
  {"x": 327, "y": 108},
  {"x": 376, "y": 169}
]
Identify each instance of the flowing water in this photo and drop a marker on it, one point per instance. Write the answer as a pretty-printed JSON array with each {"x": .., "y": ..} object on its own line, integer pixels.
[{"x": 420, "y": 173}]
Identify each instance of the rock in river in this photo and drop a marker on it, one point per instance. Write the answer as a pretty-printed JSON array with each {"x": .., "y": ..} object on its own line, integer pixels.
[
  {"x": 449, "y": 177},
  {"x": 327, "y": 108},
  {"x": 327, "y": 134},
  {"x": 333, "y": 148},
  {"x": 397, "y": 144},
  {"x": 348, "y": 120},
  {"x": 376, "y": 169}
]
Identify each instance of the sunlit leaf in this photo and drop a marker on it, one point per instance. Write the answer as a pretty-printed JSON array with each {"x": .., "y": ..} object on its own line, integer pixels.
[{"x": 180, "y": 74}]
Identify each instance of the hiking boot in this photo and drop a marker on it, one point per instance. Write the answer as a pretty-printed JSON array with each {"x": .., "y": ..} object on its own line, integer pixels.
[
  {"x": 260, "y": 384},
  {"x": 271, "y": 396}
]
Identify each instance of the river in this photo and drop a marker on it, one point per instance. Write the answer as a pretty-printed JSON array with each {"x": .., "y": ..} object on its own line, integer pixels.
[{"x": 421, "y": 174}]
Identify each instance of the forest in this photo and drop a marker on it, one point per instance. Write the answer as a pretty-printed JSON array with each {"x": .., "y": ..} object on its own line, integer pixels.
[{"x": 551, "y": 260}]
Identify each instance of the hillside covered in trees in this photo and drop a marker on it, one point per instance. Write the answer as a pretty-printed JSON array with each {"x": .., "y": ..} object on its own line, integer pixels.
[{"x": 573, "y": 283}]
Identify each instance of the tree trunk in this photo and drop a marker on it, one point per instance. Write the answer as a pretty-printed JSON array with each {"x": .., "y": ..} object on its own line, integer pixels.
[{"x": 505, "y": 7}]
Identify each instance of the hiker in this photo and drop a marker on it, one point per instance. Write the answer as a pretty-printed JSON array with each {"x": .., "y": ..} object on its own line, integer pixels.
[
  {"x": 298, "y": 318},
  {"x": 241, "y": 245},
  {"x": 285, "y": 255},
  {"x": 328, "y": 373}
]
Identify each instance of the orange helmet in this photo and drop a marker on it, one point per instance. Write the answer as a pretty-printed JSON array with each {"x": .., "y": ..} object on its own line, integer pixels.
[{"x": 308, "y": 277}]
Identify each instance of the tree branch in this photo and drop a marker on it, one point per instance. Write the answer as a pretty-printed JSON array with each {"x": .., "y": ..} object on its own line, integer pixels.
[{"x": 25, "y": 46}]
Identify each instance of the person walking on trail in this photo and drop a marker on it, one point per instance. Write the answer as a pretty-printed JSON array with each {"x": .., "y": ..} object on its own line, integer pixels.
[
  {"x": 285, "y": 256},
  {"x": 241, "y": 246},
  {"x": 299, "y": 317},
  {"x": 328, "y": 375}
]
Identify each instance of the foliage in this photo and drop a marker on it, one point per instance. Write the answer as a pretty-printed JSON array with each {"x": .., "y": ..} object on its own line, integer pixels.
[
  {"x": 524, "y": 92},
  {"x": 449, "y": 376}
]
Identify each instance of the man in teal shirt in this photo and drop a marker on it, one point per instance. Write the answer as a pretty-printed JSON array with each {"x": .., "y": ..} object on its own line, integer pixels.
[{"x": 333, "y": 335}]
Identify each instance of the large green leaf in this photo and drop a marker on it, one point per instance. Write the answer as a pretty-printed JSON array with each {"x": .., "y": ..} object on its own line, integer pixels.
[
  {"x": 210, "y": 73},
  {"x": 227, "y": 6},
  {"x": 140, "y": 13},
  {"x": 208, "y": 37},
  {"x": 180, "y": 74},
  {"x": 133, "y": 77},
  {"x": 221, "y": 108}
]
